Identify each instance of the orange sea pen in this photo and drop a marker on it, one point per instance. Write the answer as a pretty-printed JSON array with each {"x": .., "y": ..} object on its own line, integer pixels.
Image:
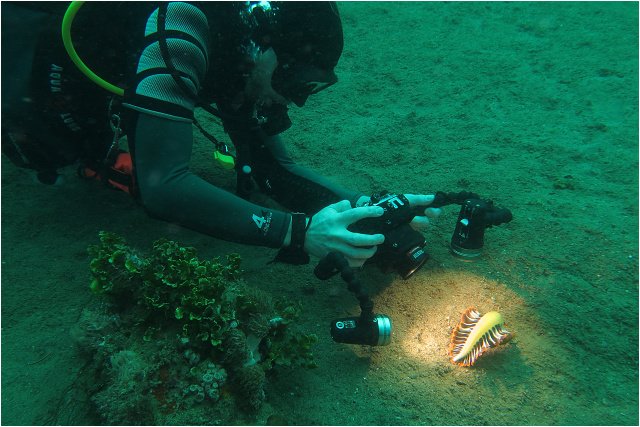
[{"x": 474, "y": 334}]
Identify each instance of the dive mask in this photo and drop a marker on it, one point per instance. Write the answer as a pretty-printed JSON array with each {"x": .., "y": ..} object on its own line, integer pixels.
[{"x": 297, "y": 82}]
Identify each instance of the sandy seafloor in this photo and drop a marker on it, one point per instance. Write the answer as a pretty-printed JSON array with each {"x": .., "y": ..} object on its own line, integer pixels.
[{"x": 534, "y": 105}]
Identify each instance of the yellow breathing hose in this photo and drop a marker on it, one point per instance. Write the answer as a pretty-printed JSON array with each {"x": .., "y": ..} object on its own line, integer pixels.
[{"x": 67, "y": 21}]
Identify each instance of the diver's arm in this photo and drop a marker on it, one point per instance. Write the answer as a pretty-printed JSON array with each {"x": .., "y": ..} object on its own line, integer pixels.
[
  {"x": 161, "y": 99},
  {"x": 300, "y": 173},
  {"x": 168, "y": 190},
  {"x": 294, "y": 186}
]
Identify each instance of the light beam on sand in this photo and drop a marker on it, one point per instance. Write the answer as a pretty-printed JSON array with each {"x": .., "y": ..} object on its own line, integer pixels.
[{"x": 426, "y": 308}]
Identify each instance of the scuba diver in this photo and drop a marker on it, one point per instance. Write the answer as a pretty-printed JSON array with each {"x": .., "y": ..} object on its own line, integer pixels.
[{"x": 77, "y": 79}]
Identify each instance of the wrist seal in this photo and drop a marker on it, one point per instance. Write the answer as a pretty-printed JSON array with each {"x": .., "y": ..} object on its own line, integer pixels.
[{"x": 294, "y": 253}]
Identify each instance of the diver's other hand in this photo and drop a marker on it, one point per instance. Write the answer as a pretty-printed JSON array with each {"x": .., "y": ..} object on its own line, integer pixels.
[
  {"x": 328, "y": 232},
  {"x": 421, "y": 222}
]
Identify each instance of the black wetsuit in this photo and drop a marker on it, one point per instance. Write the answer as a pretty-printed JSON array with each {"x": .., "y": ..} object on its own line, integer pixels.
[{"x": 135, "y": 46}]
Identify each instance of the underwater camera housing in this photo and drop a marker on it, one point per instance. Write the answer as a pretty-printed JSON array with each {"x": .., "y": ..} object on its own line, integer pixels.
[
  {"x": 403, "y": 252},
  {"x": 403, "y": 248}
]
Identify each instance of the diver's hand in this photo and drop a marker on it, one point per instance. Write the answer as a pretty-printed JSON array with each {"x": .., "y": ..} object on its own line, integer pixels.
[
  {"x": 328, "y": 232},
  {"x": 422, "y": 222}
]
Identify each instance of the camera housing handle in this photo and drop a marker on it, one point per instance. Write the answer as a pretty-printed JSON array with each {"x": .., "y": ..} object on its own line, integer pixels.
[{"x": 443, "y": 199}]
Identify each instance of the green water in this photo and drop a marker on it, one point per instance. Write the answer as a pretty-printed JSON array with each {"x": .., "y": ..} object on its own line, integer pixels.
[{"x": 534, "y": 105}]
